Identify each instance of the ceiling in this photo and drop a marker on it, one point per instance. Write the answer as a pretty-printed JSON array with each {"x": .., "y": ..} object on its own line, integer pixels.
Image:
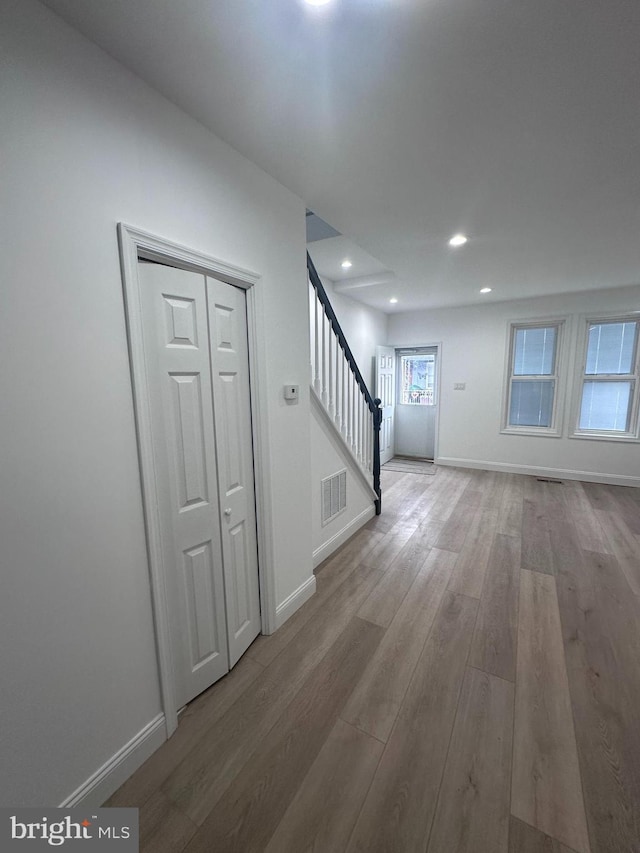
[{"x": 402, "y": 122}]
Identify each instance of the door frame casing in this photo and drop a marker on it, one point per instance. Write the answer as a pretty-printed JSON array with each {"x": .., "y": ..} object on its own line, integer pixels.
[
  {"x": 135, "y": 244},
  {"x": 404, "y": 348}
]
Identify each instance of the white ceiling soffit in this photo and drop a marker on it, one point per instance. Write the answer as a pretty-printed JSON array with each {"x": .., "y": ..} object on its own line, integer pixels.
[
  {"x": 318, "y": 229},
  {"x": 328, "y": 256},
  {"x": 364, "y": 281},
  {"x": 402, "y": 122}
]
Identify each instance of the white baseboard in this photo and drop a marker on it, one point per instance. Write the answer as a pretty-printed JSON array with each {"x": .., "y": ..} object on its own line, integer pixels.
[
  {"x": 327, "y": 548},
  {"x": 292, "y": 602},
  {"x": 537, "y": 471},
  {"x": 108, "y": 778}
]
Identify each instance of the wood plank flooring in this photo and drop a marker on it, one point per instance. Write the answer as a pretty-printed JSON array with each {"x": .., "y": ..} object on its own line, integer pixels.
[
  {"x": 546, "y": 789},
  {"x": 466, "y": 678}
]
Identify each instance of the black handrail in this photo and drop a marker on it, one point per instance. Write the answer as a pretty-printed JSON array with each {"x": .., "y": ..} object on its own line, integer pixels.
[{"x": 373, "y": 404}]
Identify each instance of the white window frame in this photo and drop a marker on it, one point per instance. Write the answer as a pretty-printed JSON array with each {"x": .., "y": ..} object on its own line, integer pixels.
[
  {"x": 633, "y": 433},
  {"x": 558, "y": 377},
  {"x": 416, "y": 352}
]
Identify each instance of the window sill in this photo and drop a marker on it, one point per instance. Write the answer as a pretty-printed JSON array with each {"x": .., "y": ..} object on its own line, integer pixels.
[
  {"x": 625, "y": 438},
  {"x": 542, "y": 432}
]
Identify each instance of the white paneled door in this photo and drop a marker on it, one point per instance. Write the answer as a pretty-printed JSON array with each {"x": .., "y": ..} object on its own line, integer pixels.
[
  {"x": 195, "y": 341},
  {"x": 385, "y": 390},
  {"x": 232, "y": 415}
]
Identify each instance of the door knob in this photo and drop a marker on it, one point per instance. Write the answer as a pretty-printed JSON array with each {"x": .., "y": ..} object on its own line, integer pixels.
[{"x": 227, "y": 511}]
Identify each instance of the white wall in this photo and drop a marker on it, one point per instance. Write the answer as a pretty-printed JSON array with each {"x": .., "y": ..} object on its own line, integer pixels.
[
  {"x": 328, "y": 456},
  {"x": 364, "y": 328},
  {"x": 84, "y": 145},
  {"x": 474, "y": 342}
]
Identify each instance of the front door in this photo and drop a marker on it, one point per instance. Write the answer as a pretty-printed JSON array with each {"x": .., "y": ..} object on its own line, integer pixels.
[
  {"x": 416, "y": 403},
  {"x": 194, "y": 331}
]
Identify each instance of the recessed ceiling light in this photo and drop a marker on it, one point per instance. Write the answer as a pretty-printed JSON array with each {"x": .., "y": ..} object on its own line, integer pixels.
[
  {"x": 485, "y": 290},
  {"x": 393, "y": 300},
  {"x": 458, "y": 240},
  {"x": 317, "y": 2},
  {"x": 346, "y": 264}
]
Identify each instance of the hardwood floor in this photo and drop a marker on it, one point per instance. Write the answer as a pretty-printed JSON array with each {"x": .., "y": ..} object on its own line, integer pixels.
[
  {"x": 545, "y": 790},
  {"x": 466, "y": 678}
]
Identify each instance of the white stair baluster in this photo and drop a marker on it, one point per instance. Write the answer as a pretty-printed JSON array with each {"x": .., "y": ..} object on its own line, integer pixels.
[
  {"x": 343, "y": 418},
  {"x": 366, "y": 436},
  {"x": 311, "y": 331},
  {"x": 336, "y": 418},
  {"x": 323, "y": 356},
  {"x": 316, "y": 345},
  {"x": 323, "y": 372},
  {"x": 350, "y": 410},
  {"x": 357, "y": 429},
  {"x": 332, "y": 404},
  {"x": 354, "y": 414}
]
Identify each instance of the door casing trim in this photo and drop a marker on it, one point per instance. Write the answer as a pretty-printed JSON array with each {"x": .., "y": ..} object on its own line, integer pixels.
[
  {"x": 134, "y": 244},
  {"x": 406, "y": 348}
]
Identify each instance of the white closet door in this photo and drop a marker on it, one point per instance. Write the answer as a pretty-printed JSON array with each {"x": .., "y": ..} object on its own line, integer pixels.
[
  {"x": 232, "y": 412},
  {"x": 176, "y": 341},
  {"x": 386, "y": 391}
]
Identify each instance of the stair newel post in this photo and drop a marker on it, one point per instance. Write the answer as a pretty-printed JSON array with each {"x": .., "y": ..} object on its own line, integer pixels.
[{"x": 377, "y": 420}]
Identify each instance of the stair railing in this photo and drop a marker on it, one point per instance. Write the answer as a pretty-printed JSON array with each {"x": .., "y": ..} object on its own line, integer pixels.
[{"x": 338, "y": 384}]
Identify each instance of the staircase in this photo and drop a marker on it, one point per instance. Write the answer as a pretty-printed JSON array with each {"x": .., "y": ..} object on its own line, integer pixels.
[{"x": 340, "y": 390}]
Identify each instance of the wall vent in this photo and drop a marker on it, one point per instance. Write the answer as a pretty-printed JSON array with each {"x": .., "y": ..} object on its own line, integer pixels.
[{"x": 334, "y": 495}]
